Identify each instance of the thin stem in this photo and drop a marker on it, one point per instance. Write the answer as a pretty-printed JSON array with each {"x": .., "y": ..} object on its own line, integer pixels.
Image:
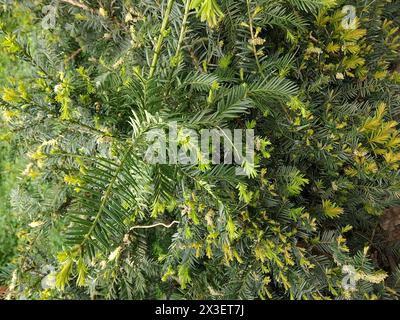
[
  {"x": 251, "y": 27},
  {"x": 73, "y": 55},
  {"x": 161, "y": 37},
  {"x": 180, "y": 42},
  {"x": 183, "y": 28},
  {"x": 160, "y": 224}
]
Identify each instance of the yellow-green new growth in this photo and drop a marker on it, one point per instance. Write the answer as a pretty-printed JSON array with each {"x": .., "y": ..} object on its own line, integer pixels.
[{"x": 208, "y": 10}]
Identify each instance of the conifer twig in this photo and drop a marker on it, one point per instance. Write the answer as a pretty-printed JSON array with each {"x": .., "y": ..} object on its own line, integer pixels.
[
  {"x": 161, "y": 37},
  {"x": 183, "y": 29},
  {"x": 73, "y": 55},
  {"x": 253, "y": 46},
  {"x": 155, "y": 225}
]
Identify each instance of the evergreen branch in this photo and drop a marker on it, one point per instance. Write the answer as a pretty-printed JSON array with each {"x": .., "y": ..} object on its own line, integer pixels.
[
  {"x": 161, "y": 37},
  {"x": 183, "y": 28},
  {"x": 106, "y": 196},
  {"x": 253, "y": 46}
]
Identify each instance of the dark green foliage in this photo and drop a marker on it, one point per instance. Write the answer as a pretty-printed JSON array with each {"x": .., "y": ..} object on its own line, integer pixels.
[{"x": 322, "y": 100}]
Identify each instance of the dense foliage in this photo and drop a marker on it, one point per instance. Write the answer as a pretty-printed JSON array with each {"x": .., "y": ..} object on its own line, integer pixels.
[{"x": 93, "y": 219}]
